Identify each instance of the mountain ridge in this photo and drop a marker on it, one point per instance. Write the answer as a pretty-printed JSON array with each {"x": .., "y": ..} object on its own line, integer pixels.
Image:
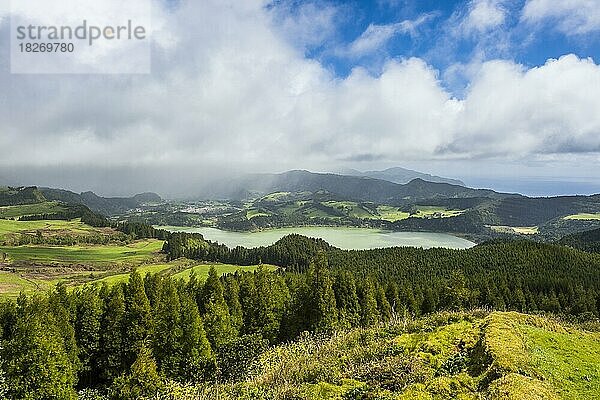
[
  {"x": 401, "y": 175},
  {"x": 103, "y": 205},
  {"x": 359, "y": 188}
]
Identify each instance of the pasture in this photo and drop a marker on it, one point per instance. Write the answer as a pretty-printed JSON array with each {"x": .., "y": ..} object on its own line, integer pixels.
[
  {"x": 137, "y": 252},
  {"x": 201, "y": 270},
  {"x": 521, "y": 230},
  {"x": 48, "y": 207},
  {"x": 584, "y": 217}
]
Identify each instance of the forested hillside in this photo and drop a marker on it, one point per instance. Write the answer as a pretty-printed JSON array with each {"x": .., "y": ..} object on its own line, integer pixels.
[
  {"x": 359, "y": 188},
  {"x": 402, "y": 176},
  {"x": 518, "y": 275},
  {"x": 103, "y": 205},
  {"x": 12, "y": 196},
  {"x": 342, "y": 338},
  {"x": 587, "y": 241}
]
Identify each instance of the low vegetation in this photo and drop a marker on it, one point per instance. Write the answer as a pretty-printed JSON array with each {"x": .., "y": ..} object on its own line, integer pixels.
[
  {"x": 521, "y": 230},
  {"x": 584, "y": 216},
  {"x": 48, "y": 207}
]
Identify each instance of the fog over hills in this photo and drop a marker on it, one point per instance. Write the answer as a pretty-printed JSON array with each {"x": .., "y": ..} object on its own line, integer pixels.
[
  {"x": 360, "y": 188},
  {"x": 401, "y": 175}
]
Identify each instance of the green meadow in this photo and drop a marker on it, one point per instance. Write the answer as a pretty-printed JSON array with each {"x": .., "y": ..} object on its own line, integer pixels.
[
  {"x": 584, "y": 216},
  {"x": 391, "y": 214},
  {"x": 435, "y": 212},
  {"x": 9, "y": 227},
  {"x": 137, "y": 252},
  {"x": 522, "y": 230},
  {"x": 201, "y": 270},
  {"x": 253, "y": 212},
  {"x": 467, "y": 356},
  {"x": 48, "y": 207}
]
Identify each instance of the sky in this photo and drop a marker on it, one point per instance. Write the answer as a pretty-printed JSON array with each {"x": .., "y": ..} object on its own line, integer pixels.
[{"x": 498, "y": 93}]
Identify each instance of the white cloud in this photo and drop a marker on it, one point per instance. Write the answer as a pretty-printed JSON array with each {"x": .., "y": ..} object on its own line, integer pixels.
[
  {"x": 228, "y": 90},
  {"x": 377, "y": 36},
  {"x": 482, "y": 16},
  {"x": 573, "y": 17},
  {"x": 513, "y": 111},
  {"x": 485, "y": 14},
  {"x": 311, "y": 24}
]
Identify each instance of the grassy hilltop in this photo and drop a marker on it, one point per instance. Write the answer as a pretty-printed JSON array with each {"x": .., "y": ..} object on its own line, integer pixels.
[
  {"x": 503, "y": 356},
  {"x": 473, "y": 355}
]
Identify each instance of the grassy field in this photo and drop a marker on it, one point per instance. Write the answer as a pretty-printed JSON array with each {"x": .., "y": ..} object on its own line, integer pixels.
[
  {"x": 201, "y": 270},
  {"x": 8, "y": 227},
  {"x": 435, "y": 212},
  {"x": 568, "y": 360},
  {"x": 143, "y": 270},
  {"x": 522, "y": 230},
  {"x": 137, "y": 252},
  {"x": 338, "y": 209},
  {"x": 276, "y": 196},
  {"x": 253, "y": 212},
  {"x": 560, "y": 360},
  {"x": 466, "y": 356},
  {"x": 11, "y": 231},
  {"x": 391, "y": 214},
  {"x": 48, "y": 207},
  {"x": 356, "y": 210},
  {"x": 12, "y": 283},
  {"x": 584, "y": 216}
]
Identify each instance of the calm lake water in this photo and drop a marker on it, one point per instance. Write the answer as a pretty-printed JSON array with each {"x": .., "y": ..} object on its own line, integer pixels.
[{"x": 342, "y": 237}]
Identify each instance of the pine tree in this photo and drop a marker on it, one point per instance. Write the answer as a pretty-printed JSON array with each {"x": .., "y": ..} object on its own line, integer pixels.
[
  {"x": 138, "y": 317},
  {"x": 368, "y": 304},
  {"x": 168, "y": 332},
  {"x": 267, "y": 305},
  {"x": 393, "y": 295},
  {"x": 197, "y": 360},
  {"x": 88, "y": 314},
  {"x": 429, "y": 304},
  {"x": 142, "y": 381},
  {"x": 217, "y": 321},
  {"x": 37, "y": 366},
  {"x": 60, "y": 306},
  {"x": 322, "y": 311},
  {"x": 8, "y": 318},
  {"x": 407, "y": 298},
  {"x": 346, "y": 300},
  {"x": 456, "y": 291},
  {"x": 112, "y": 337},
  {"x": 383, "y": 306},
  {"x": 232, "y": 298}
]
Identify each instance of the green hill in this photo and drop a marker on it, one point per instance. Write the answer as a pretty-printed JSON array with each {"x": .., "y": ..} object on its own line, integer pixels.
[
  {"x": 99, "y": 204},
  {"x": 354, "y": 188},
  {"x": 12, "y": 196},
  {"x": 500, "y": 356},
  {"x": 587, "y": 241},
  {"x": 402, "y": 176}
]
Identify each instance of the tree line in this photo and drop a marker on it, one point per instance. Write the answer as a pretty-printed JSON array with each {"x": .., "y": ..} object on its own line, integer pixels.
[
  {"x": 502, "y": 274},
  {"x": 129, "y": 337}
]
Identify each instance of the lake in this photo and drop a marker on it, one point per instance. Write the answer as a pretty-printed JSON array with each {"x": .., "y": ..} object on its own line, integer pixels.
[{"x": 342, "y": 237}]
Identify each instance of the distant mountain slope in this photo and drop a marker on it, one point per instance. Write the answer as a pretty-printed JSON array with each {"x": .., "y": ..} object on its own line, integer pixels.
[
  {"x": 102, "y": 205},
  {"x": 14, "y": 196},
  {"x": 587, "y": 241},
  {"x": 530, "y": 211},
  {"x": 402, "y": 175},
  {"x": 348, "y": 187}
]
